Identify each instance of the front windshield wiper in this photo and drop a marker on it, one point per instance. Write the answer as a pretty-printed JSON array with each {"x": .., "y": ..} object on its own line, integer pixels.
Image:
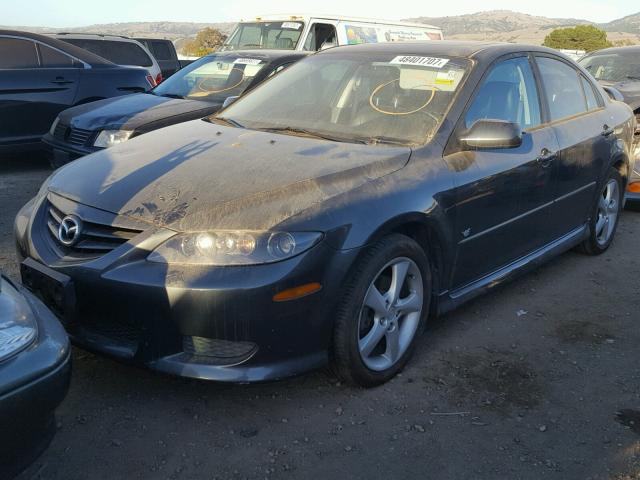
[
  {"x": 224, "y": 121},
  {"x": 306, "y": 133},
  {"x": 172, "y": 95},
  {"x": 633, "y": 77},
  {"x": 382, "y": 140}
]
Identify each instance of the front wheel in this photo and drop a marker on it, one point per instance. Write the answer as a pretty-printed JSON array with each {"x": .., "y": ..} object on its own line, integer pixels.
[
  {"x": 605, "y": 215},
  {"x": 383, "y": 310}
]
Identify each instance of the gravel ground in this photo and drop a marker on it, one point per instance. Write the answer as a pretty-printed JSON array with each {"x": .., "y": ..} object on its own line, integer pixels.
[{"x": 539, "y": 379}]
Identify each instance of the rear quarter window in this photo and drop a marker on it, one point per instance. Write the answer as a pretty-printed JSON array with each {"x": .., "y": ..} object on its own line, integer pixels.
[
  {"x": 121, "y": 53},
  {"x": 161, "y": 50}
]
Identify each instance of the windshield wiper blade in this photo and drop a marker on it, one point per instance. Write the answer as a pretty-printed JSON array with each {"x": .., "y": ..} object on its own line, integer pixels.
[
  {"x": 305, "y": 132},
  {"x": 225, "y": 121},
  {"x": 633, "y": 77},
  {"x": 171, "y": 95},
  {"x": 380, "y": 140}
]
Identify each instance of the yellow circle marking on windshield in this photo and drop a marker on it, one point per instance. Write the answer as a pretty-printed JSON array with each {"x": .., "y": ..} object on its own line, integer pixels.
[
  {"x": 204, "y": 91},
  {"x": 381, "y": 86}
]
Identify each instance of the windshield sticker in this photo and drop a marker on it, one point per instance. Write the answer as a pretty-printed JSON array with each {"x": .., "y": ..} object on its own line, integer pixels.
[
  {"x": 446, "y": 78},
  {"x": 247, "y": 61},
  {"x": 431, "y": 62},
  {"x": 291, "y": 25}
]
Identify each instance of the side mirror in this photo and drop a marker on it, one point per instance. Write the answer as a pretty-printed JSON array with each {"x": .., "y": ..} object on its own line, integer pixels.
[
  {"x": 229, "y": 100},
  {"x": 613, "y": 93},
  {"x": 488, "y": 134}
]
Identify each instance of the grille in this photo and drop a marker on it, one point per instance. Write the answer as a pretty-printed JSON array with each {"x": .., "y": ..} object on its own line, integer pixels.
[
  {"x": 220, "y": 349},
  {"x": 95, "y": 239},
  {"x": 75, "y": 136},
  {"x": 78, "y": 136}
]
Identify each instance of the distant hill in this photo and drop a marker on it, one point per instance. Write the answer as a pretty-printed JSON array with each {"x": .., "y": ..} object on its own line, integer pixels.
[
  {"x": 497, "y": 25},
  {"x": 494, "y": 21},
  {"x": 508, "y": 26}
]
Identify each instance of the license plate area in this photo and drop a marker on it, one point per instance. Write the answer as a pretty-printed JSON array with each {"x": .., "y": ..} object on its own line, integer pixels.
[{"x": 53, "y": 288}]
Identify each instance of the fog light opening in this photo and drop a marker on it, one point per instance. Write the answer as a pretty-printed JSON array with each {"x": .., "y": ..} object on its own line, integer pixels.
[{"x": 297, "y": 292}]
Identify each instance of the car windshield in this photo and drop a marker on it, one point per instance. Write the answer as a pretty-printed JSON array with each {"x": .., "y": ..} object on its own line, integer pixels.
[
  {"x": 379, "y": 98},
  {"x": 212, "y": 78},
  {"x": 613, "y": 67},
  {"x": 120, "y": 53},
  {"x": 275, "y": 35}
]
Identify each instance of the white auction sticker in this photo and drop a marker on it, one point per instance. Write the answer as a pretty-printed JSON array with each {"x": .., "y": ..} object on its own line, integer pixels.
[
  {"x": 247, "y": 61},
  {"x": 432, "y": 62},
  {"x": 291, "y": 25}
]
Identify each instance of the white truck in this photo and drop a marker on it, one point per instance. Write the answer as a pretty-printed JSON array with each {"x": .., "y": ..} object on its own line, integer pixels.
[{"x": 316, "y": 32}]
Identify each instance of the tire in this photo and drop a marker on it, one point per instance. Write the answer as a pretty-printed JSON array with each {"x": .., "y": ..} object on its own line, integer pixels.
[
  {"x": 371, "y": 345},
  {"x": 605, "y": 215}
]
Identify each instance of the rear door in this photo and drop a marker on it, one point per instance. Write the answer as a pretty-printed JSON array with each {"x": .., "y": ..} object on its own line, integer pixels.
[
  {"x": 36, "y": 83},
  {"x": 165, "y": 55},
  {"x": 502, "y": 195},
  {"x": 579, "y": 121}
]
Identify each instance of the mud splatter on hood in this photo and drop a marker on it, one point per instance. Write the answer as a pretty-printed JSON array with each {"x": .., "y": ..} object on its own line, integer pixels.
[{"x": 197, "y": 175}]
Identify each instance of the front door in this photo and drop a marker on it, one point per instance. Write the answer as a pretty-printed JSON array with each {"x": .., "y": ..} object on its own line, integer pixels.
[{"x": 502, "y": 195}]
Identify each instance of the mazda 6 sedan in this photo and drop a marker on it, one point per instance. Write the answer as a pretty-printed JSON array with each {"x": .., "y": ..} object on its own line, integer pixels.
[{"x": 326, "y": 215}]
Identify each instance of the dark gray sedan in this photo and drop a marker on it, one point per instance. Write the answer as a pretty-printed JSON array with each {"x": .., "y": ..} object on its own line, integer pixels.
[
  {"x": 196, "y": 91},
  {"x": 327, "y": 214}
]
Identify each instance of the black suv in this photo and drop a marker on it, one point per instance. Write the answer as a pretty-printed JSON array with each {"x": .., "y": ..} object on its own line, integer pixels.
[{"x": 41, "y": 76}]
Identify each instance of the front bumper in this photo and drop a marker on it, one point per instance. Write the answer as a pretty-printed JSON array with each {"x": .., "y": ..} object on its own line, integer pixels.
[
  {"x": 216, "y": 323},
  {"x": 34, "y": 383}
]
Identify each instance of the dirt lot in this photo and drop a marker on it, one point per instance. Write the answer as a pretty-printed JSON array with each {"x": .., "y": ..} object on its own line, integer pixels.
[{"x": 537, "y": 380}]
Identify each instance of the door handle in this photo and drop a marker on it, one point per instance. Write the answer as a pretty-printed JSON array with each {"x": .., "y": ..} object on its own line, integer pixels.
[
  {"x": 61, "y": 81},
  {"x": 546, "y": 157},
  {"x": 607, "y": 131}
]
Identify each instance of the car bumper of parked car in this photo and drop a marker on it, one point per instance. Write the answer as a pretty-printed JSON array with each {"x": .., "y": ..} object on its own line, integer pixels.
[
  {"x": 33, "y": 383},
  {"x": 216, "y": 323},
  {"x": 60, "y": 153}
]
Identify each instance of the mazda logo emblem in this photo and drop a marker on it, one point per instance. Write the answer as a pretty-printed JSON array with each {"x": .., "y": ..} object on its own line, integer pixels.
[{"x": 69, "y": 230}]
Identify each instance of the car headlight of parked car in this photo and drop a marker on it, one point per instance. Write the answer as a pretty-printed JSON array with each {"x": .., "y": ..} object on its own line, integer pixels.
[
  {"x": 109, "y": 138},
  {"x": 228, "y": 247},
  {"x": 17, "y": 324}
]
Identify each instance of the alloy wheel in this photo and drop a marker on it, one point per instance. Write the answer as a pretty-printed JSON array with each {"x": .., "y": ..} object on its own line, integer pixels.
[
  {"x": 390, "y": 314},
  {"x": 608, "y": 210}
]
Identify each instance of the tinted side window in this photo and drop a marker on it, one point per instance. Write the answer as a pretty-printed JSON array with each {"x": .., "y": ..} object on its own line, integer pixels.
[
  {"x": 562, "y": 87},
  {"x": 54, "y": 59},
  {"x": 589, "y": 92},
  {"x": 120, "y": 53},
  {"x": 508, "y": 93},
  {"x": 162, "y": 51},
  {"x": 17, "y": 53}
]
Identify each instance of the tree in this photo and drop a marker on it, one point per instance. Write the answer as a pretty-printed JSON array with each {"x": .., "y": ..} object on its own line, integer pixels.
[
  {"x": 206, "y": 41},
  {"x": 582, "y": 37}
]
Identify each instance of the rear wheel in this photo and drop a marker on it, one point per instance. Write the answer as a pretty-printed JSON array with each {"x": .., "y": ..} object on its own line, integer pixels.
[
  {"x": 382, "y": 312},
  {"x": 605, "y": 215}
]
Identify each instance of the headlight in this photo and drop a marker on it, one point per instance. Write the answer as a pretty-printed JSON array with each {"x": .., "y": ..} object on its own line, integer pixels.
[
  {"x": 53, "y": 127},
  {"x": 233, "y": 247},
  {"x": 109, "y": 138},
  {"x": 17, "y": 325}
]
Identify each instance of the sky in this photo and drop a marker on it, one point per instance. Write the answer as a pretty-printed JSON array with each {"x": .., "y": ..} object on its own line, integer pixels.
[{"x": 75, "y": 13}]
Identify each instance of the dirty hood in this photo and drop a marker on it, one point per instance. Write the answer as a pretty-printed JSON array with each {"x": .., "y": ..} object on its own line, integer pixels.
[
  {"x": 199, "y": 175},
  {"x": 135, "y": 112}
]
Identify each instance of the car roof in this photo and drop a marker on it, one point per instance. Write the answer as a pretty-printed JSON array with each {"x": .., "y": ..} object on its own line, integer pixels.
[
  {"x": 94, "y": 36},
  {"x": 79, "y": 53},
  {"x": 450, "y": 48},
  {"x": 631, "y": 48},
  {"x": 266, "y": 54}
]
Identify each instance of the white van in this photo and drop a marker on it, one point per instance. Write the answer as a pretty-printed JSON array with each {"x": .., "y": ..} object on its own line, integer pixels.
[{"x": 311, "y": 33}]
